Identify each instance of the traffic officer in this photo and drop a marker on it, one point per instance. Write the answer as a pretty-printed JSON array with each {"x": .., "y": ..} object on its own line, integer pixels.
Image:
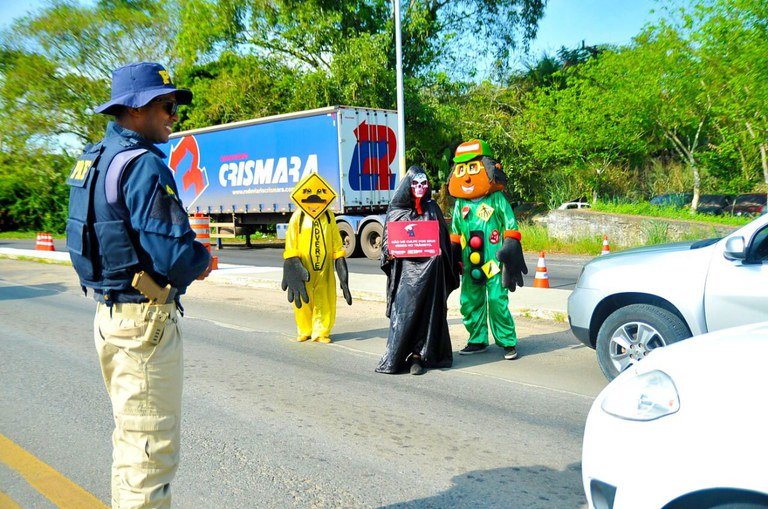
[{"x": 125, "y": 217}]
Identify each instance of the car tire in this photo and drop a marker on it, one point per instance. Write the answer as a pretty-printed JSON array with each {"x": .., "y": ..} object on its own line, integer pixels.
[
  {"x": 618, "y": 343},
  {"x": 721, "y": 499}
]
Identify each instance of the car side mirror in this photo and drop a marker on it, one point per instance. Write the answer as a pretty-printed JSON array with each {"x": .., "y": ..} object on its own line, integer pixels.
[{"x": 735, "y": 248}]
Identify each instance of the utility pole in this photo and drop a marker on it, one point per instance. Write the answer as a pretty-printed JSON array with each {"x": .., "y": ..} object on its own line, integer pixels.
[{"x": 400, "y": 99}]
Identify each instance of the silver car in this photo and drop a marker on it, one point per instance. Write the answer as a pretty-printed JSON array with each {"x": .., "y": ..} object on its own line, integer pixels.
[{"x": 628, "y": 303}]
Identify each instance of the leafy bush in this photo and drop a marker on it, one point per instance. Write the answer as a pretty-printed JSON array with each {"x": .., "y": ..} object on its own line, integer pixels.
[{"x": 33, "y": 192}]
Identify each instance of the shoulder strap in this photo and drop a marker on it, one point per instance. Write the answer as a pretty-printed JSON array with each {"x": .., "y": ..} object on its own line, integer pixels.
[
  {"x": 115, "y": 174},
  {"x": 301, "y": 220}
]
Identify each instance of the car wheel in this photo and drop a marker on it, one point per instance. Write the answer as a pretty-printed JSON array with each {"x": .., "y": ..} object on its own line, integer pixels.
[{"x": 629, "y": 333}]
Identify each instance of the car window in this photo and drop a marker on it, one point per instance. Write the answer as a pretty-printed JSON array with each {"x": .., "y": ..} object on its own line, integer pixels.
[{"x": 759, "y": 246}]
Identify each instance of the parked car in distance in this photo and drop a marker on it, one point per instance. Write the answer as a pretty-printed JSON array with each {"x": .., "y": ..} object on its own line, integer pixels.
[
  {"x": 715, "y": 204},
  {"x": 684, "y": 429},
  {"x": 678, "y": 200},
  {"x": 751, "y": 204},
  {"x": 569, "y": 205},
  {"x": 527, "y": 210},
  {"x": 628, "y": 303}
]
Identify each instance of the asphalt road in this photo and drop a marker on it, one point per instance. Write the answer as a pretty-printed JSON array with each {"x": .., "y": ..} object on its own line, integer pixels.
[
  {"x": 563, "y": 270},
  {"x": 273, "y": 423}
]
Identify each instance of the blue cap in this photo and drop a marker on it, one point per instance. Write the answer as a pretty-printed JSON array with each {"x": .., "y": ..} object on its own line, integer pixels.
[{"x": 135, "y": 85}]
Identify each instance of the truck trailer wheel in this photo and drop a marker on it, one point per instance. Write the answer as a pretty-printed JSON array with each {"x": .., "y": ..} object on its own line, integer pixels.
[
  {"x": 370, "y": 240},
  {"x": 348, "y": 239}
]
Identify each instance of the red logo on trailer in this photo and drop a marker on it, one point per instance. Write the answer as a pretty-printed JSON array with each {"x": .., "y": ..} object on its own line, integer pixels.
[{"x": 191, "y": 175}]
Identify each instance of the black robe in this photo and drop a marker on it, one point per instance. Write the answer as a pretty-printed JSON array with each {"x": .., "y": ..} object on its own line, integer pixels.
[{"x": 417, "y": 290}]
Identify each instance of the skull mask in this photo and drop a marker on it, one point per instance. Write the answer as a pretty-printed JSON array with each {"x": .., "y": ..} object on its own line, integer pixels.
[
  {"x": 419, "y": 188},
  {"x": 419, "y": 185}
]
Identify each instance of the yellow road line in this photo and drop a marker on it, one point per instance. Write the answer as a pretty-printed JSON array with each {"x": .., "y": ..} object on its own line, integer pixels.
[
  {"x": 7, "y": 503},
  {"x": 54, "y": 486}
]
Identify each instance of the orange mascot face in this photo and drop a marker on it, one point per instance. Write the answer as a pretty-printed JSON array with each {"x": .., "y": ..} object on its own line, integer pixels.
[
  {"x": 469, "y": 180},
  {"x": 474, "y": 173}
]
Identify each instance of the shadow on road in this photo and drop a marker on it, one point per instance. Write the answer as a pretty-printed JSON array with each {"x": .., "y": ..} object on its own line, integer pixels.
[
  {"x": 19, "y": 292},
  {"x": 527, "y": 346},
  {"x": 360, "y": 335},
  {"x": 530, "y": 487}
]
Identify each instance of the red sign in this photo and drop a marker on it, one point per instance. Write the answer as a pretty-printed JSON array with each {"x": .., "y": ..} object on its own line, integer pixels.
[{"x": 413, "y": 239}]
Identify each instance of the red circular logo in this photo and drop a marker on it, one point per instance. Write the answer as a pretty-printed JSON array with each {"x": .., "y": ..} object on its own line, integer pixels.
[
  {"x": 465, "y": 211},
  {"x": 494, "y": 239}
]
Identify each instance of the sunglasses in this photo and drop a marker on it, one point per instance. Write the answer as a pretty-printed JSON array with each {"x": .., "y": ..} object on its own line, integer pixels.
[{"x": 171, "y": 107}]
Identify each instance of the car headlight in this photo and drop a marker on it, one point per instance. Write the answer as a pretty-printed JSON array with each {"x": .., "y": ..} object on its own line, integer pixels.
[{"x": 642, "y": 397}]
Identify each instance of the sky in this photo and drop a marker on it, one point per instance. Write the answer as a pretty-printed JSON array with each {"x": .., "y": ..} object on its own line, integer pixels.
[
  {"x": 568, "y": 22},
  {"x": 565, "y": 23}
]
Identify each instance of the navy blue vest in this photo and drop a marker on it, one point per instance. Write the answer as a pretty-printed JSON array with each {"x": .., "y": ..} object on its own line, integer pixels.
[{"x": 102, "y": 246}]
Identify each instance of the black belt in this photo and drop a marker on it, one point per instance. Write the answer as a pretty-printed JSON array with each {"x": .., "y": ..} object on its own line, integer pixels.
[
  {"x": 124, "y": 297},
  {"x": 120, "y": 296}
]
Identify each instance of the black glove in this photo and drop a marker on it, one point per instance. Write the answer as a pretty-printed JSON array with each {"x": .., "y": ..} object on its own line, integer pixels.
[
  {"x": 294, "y": 277},
  {"x": 512, "y": 264},
  {"x": 458, "y": 261},
  {"x": 341, "y": 270}
]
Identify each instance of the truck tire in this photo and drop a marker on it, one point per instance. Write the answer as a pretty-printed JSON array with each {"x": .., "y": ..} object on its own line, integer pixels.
[
  {"x": 370, "y": 240},
  {"x": 348, "y": 239},
  {"x": 629, "y": 333}
]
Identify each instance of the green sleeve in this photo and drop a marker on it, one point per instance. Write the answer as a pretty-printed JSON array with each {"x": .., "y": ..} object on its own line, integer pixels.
[
  {"x": 456, "y": 218},
  {"x": 505, "y": 209}
]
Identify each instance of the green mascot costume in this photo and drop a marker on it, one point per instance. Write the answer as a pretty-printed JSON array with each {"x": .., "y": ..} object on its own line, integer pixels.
[{"x": 484, "y": 230}]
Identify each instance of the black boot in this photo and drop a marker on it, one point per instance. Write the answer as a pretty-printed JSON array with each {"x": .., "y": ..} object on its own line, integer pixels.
[{"x": 416, "y": 367}]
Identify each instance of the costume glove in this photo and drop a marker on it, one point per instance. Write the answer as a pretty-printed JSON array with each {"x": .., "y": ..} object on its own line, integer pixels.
[
  {"x": 294, "y": 277},
  {"x": 457, "y": 260},
  {"x": 512, "y": 264},
  {"x": 341, "y": 270}
]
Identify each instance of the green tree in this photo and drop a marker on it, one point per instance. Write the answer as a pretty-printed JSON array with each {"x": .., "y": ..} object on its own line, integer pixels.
[
  {"x": 55, "y": 66},
  {"x": 437, "y": 34},
  {"x": 732, "y": 38}
]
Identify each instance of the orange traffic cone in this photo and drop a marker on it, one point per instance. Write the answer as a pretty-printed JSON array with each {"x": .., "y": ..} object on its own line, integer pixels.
[
  {"x": 201, "y": 225},
  {"x": 541, "y": 280},
  {"x": 44, "y": 242},
  {"x": 606, "y": 247}
]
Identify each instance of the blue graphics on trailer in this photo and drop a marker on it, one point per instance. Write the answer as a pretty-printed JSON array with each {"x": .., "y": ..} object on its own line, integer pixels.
[{"x": 253, "y": 166}]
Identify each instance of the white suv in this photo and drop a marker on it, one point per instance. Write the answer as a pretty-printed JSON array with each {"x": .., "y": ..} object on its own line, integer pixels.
[{"x": 628, "y": 303}]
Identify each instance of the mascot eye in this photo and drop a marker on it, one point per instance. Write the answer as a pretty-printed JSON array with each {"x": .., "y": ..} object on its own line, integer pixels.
[
  {"x": 474, "y": 167},
  {"x": 460, "y": 170}
]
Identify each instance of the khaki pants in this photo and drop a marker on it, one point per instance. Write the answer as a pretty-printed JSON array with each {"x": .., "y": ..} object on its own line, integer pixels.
[{"x": 143, "y": 375}]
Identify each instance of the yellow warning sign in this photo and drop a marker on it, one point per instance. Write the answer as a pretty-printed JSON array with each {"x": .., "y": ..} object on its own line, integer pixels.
[
  {"x": 484, "y": 211},
  {"x": 313, "y": 195},
  {"x": 491, "y": 269}
]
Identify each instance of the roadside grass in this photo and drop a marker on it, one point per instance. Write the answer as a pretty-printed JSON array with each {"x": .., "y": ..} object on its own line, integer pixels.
[
  {"x": 646, "y": 209},
  {"x": 23, "y": 235},
  {"x": 536, "y": 238},
  {"x": 33, "y": 259}
]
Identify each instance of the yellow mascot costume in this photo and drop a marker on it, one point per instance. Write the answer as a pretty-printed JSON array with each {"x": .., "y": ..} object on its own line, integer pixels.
[{"x": 313, "y": 249}]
